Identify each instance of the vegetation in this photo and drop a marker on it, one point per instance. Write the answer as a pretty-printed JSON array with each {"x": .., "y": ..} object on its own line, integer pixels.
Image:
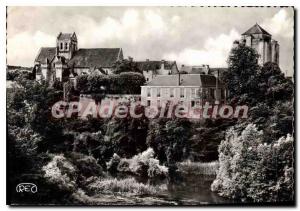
[
  {"x": 73, "y": 159},
  {"x": 256, "y": 157},
  {"x": 251, "y": 170},
  {"x": 198, "y": 168},
  {"x": 143, "y": 164},
  {"x": 123, "y": 83}
]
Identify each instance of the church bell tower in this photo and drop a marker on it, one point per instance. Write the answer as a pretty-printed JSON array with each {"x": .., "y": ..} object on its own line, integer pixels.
[{"x": 66, "y": 45}]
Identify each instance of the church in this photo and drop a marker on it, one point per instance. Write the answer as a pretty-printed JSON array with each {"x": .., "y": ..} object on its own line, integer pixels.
[
  {"x": 259, "y": 39},
  {"x": 65, "y": 61}
]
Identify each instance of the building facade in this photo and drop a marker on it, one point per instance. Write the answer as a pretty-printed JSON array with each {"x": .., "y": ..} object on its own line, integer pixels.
[
  {"x": 186, "y": 89},
  {"x": 259, "y": 39},
  {"x": 66, "y": 61}
]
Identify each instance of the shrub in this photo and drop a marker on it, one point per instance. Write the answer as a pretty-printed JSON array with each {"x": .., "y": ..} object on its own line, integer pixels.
[
  {"x": 61, "y": 172},
  {"x": 253, "y": 170},
  {"x": 142, "y": 164}
]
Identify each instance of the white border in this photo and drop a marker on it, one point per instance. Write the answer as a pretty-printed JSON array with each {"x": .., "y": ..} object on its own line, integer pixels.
[{"x": 5, "y": 3}]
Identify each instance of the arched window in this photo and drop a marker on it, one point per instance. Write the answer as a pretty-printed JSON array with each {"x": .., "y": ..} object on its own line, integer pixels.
[
  {"x": 66, "y": 46},
  {"x": 61, "y": 45}
]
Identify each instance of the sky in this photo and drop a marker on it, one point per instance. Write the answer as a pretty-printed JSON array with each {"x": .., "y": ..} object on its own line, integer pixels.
[{"x": 189, "y": 35}]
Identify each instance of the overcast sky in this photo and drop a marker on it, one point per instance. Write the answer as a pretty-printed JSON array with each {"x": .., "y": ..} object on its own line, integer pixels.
[{"x": 189, "y": 35}]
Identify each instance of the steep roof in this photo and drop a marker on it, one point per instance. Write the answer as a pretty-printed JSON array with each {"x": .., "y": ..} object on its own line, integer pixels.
[
  {"x": 194, "y": 69},
  {"x": 155, "y": 65},
  {"x": 256, "y": 29},
  {"x": 199, "y": 80},
  {"x": 63, "y": 36},
  {"x": 46, "y": 53},
  {"x": 95, "y": 57}
]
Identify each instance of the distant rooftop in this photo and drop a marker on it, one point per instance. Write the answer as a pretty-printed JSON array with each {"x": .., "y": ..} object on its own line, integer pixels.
[
  {"x": 256, "y": 29},
  {"x": 155, "y": 65}
]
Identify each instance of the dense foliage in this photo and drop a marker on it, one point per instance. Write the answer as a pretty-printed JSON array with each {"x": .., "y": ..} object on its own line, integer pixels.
[
  {"x": 248, "y": 83},
  {"x": 126, "y": 65},
  {"x": 123, "y": 83},
  {"x": 252, "y": 170}
]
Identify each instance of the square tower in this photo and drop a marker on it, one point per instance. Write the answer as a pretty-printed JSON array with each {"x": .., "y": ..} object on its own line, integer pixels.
[
  {"x": 260, "y": 40},
  {"x": 66, "y": 45}
]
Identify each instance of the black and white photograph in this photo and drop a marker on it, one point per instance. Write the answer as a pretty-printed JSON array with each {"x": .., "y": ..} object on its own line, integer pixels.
[{"x": 150, "y": 106}]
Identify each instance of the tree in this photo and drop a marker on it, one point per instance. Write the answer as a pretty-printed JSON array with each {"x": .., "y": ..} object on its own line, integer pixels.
[
  {"x": 241, "y": 74},
  {"x": 273, "y": 84},
  {"x": 252, "y": 170},
  {"x": 170, "y": 139},
  {"x": 126, "y": 65}
]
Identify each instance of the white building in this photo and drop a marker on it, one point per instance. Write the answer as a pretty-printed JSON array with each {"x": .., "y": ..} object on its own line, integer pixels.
[{"x": 187, "y": 89}]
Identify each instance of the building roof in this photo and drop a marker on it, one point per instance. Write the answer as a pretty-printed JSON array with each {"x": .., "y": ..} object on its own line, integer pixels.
[
  {"x": 64, "y": 36},
  {"x": 214, "y": 70},
  {"x": 203, "y": 69},
  {"x": 256, "y": 29},
  {"x": 155, "y": 65},
  {"x": 46, "y": 53},
  {"x": 198, "y": 80},
  {"x": 95, "y": 57}
]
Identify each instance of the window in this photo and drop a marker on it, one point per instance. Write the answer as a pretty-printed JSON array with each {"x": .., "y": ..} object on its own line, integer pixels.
[
  {"x": 193, "y": 103},
  {"x": 61, "y": 45},
  {"x": 182, "y": 92},
  {"x": 148, "y": 102},
  {"x": 147, "y": 79},
  {"x": 171, "y": 92},
  {"x": 66, "y": 46},
  {"x": 148, "y": 92},
  {"x": 158, "y": 92}
]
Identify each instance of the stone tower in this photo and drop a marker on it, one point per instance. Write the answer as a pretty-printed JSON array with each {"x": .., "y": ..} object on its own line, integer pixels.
[
  {"x": 259, "y": 39},
  {"x": 66, "y": 45}
]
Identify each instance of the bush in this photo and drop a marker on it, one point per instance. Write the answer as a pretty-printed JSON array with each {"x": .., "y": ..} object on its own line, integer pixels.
[
  {"x": 143, "y": 164},
  {"x": 252, "y": 170},
  {"x": 61, "y": 172},
  {"x": 70, "y": 171}
]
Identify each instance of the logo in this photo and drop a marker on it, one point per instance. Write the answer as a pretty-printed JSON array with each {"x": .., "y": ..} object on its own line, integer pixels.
[{"x": 26, "y": 188}]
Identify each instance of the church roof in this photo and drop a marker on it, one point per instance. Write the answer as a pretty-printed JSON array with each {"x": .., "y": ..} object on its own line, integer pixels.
[
  {"x": 256, "y": 29},
  {"x": 46, "y": 53},
  {"x": 155, "y": 65},
  {"x": 198, "y": 80},
  {"x": 95, "y": 57}
]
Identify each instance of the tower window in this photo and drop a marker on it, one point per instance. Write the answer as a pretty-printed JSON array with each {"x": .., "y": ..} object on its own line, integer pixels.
[
  {"x": 66, "y": 46},
  {"x": 61, "y": 45}
]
